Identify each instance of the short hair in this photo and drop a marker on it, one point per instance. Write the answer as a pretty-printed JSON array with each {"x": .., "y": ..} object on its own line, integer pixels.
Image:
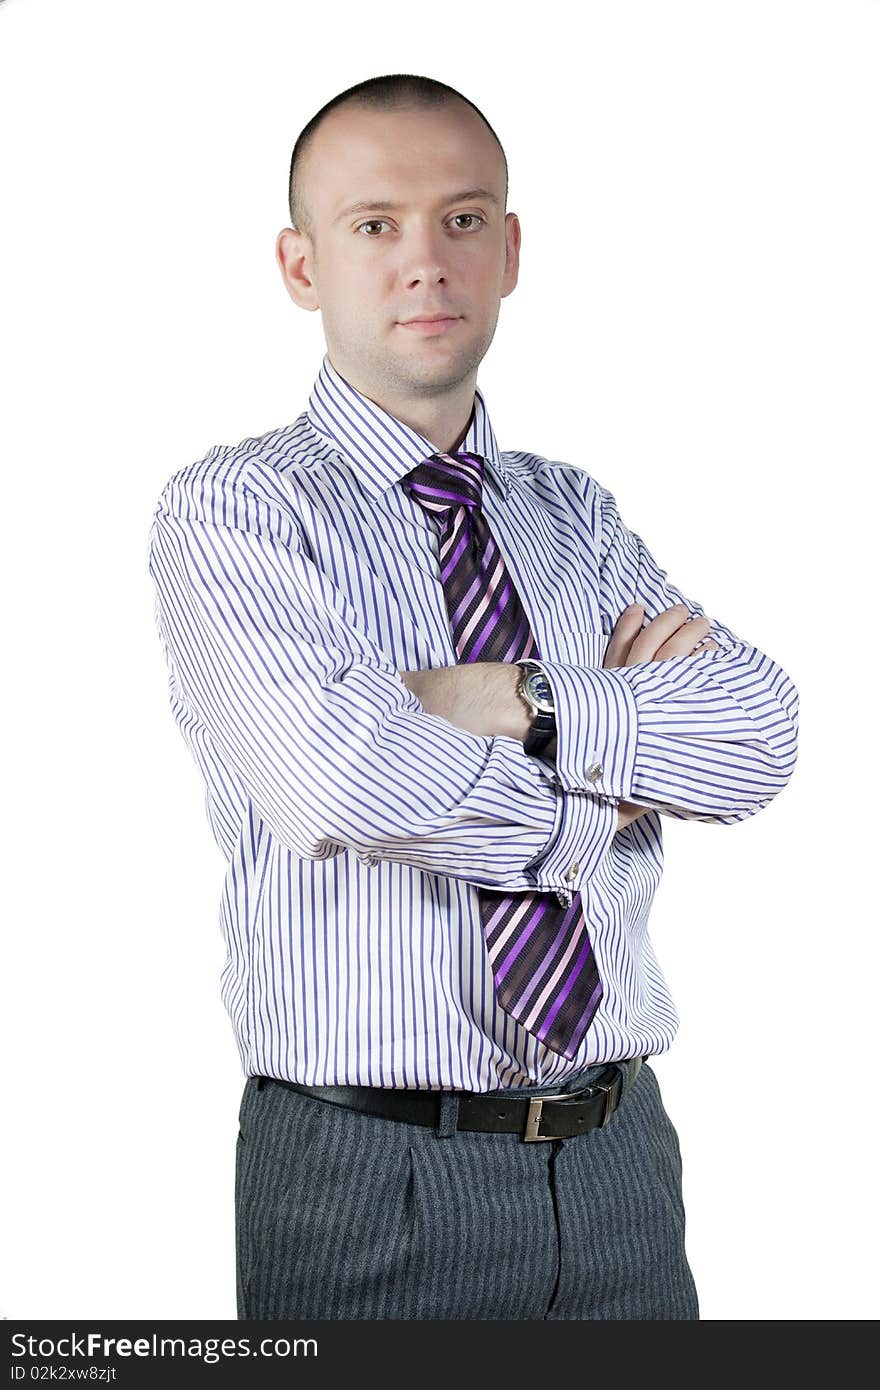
[{"x": 394, "y": 90}]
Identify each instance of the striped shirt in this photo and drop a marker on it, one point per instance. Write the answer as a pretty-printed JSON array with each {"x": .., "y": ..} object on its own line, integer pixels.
[{"x": 294, "y": 580}]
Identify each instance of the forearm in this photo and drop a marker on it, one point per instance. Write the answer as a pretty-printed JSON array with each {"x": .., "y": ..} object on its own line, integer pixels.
[
  {"x": 706, "y": 735},
  {"x": 481, "y": 698},
  {"x": 713, "y": 736},
  {"x": 314, "y": 727},
  {"x": 478, "y": 696}
]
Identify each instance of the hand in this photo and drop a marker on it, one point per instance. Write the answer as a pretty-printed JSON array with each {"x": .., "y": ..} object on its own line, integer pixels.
[{"x": 671, "y": 633}]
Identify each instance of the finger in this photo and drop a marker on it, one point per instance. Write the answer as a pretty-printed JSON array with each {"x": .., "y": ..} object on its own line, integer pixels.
[
  {"x": 649, "y": 641},
  {"x": 625, "y": 629},
  {"x": 684, "y": 641}
]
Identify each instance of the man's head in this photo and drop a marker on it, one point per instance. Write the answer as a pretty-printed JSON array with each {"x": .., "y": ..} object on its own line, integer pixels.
[{"x": 429, "y": 235}]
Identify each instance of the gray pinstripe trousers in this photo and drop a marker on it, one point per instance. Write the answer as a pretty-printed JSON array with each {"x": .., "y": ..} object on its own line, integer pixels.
[{"x": 344, "y": 1215}]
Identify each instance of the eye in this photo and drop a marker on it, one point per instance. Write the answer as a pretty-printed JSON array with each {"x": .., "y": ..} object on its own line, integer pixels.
[{"x": 473, "y": 217}]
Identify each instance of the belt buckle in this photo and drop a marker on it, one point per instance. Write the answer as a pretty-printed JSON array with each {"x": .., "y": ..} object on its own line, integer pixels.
[
  {"x": 606, "y": 1116},
  {"x": 533, "y": 1119},
  {"x": 536, "y": 1105}
]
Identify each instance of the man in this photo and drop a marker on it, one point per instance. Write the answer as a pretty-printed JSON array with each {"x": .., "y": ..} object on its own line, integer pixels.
[{"x": 441, "y": 861}]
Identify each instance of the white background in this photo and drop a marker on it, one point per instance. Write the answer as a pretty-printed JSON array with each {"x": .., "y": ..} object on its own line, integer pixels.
[{"x": 696, "y": 324}]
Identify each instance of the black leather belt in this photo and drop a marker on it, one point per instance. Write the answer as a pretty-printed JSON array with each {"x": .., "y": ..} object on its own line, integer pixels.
[{"x": 558, "y": 1116}]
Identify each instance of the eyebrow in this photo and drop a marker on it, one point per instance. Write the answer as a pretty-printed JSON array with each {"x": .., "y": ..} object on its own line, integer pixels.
[{"x": 468, "y": 194}]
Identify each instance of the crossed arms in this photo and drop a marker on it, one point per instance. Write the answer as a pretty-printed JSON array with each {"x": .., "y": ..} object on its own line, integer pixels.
[
  {"x": 481, "y": 696},
  {"x": 299, "y": 716}
]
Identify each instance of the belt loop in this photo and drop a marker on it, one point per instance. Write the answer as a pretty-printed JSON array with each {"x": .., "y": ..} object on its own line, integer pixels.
[
  {"x": 261, "y": 1081},
  {"x": 629, "y": 1070},
  {"x": 448, "y": 1121}
]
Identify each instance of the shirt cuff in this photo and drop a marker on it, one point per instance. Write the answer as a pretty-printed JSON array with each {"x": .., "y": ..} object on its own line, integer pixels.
[
  {"x": 596, "y": 729},
  {"x": 584, "y": 828}
]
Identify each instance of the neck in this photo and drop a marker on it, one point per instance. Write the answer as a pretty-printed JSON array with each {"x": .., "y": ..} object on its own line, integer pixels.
[{"x": 442, "y": 420}]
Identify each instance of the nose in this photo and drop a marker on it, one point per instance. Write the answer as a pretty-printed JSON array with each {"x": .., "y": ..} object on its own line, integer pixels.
[{"x": 424, "y": 256}]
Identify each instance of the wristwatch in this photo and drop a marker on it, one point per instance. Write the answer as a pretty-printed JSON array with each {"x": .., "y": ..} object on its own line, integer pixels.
[{"x": 535, "y": 689}]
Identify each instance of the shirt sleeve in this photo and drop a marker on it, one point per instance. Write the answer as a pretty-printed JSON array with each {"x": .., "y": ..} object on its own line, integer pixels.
[
  {"x": 710, "y": 737},
  {"x": 331, "y": 747}
]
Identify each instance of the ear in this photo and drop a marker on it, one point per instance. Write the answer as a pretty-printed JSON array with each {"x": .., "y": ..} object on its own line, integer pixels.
[
  {"x": 513, "y": 237},
  {"x": 294, "y": 254}
]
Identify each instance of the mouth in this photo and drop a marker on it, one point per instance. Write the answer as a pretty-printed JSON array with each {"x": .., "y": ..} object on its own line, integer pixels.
[{"x": 431, "y": 325}]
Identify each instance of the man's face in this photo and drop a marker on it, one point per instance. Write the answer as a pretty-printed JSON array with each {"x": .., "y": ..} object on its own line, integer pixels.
[{"x": 429, "y": 251}]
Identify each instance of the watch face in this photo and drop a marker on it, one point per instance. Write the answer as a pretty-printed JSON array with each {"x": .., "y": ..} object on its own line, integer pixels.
[{"x": 539, "y": 690}]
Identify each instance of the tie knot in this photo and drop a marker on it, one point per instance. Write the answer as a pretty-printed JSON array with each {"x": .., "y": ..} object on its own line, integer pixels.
[{"x": 448, "y": 480}]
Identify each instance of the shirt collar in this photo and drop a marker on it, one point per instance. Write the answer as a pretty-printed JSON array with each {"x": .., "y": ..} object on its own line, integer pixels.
[{"x": 382, "y": 447}]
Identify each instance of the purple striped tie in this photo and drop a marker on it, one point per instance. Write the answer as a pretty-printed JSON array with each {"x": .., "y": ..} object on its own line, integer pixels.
[{"x": 542, "y": 960}]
